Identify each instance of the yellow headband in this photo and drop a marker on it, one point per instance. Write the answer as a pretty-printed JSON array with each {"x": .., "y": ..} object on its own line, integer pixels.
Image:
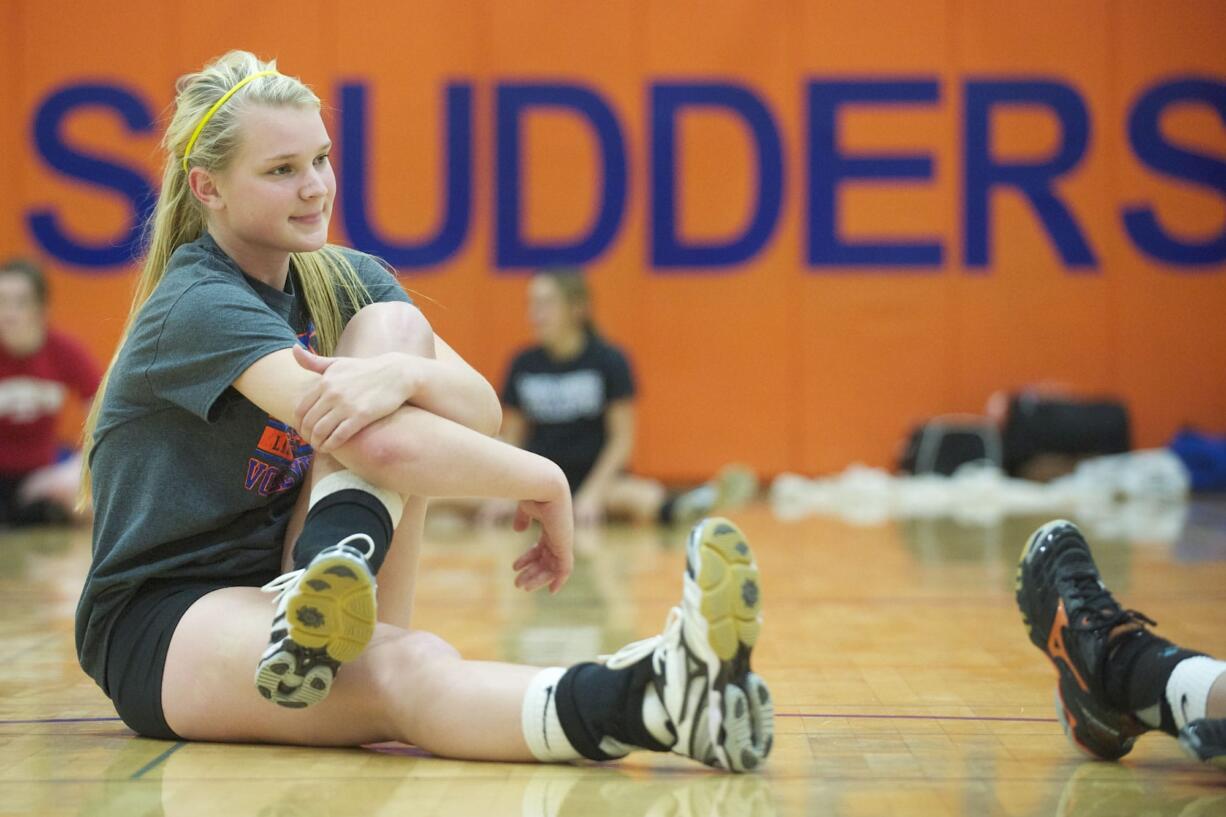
[{"x": 191, "y": 143}]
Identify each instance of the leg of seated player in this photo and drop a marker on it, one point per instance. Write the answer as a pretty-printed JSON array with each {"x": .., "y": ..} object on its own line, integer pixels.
[
  {"x": 689, "y": 690},
  {"x": 376, "y": 329},
  {"x": 343, "y": 532},
  {"x": 1117, "y": 679},
  {"x": 634, "y": 498}
]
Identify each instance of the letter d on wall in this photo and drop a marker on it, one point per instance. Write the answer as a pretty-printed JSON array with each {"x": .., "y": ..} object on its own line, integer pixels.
[
  {"x": 667, "y": 249},
  {"x": 511, "y": 248}
]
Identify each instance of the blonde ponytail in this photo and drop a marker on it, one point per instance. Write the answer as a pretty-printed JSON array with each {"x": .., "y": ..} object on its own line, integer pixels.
[{"x": 178, "y": 218}]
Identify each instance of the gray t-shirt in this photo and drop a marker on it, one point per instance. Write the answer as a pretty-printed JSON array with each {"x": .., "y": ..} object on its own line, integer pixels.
[{"x": 191, "y": 480}]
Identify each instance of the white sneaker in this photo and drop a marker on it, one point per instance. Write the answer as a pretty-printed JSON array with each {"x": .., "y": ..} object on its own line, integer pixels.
[
  {"x": 718, "y": 712},
  {"x": 325, "y": 616}
]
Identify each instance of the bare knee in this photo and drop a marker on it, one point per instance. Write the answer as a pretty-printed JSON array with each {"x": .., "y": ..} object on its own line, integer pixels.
[
  {"x": 404, "y": 660},
  {"x": 424, "y": 648},
  {"x": 391, "y": 326}
]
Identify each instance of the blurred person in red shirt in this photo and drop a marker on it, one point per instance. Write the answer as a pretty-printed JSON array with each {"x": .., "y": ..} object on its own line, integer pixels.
[{"x": 39, "y": 366}]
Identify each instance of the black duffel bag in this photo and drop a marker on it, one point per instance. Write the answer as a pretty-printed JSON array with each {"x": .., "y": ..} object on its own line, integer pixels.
[{"x": 1037, "y": 425}]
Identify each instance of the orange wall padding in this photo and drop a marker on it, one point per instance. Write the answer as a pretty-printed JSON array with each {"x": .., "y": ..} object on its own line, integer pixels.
[{"x": 772, "y": 360}]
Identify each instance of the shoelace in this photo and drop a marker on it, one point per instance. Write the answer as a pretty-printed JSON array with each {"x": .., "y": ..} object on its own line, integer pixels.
[
  {"x": 1099, "y": 608},
  {"x": 370, "y": 543},
  {"x": 636, "y": 651},
  {"x": 285, "y": 581}
]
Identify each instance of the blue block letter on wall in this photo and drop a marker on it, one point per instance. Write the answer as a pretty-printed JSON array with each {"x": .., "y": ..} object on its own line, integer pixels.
[
  {"x": 1152, "y": 148},
  {"x": 355, "y": 170},
  {"x": 667, "y": 248},
  {"x": 1033, "y": 180},
  {"x": 92, "y": 170},
  {"x": 512, "y": 249},
  {"x": 828, "y": 168}
]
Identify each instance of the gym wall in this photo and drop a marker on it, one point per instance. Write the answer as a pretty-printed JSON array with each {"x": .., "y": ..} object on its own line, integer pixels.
[{"x": 810, "y": 224}]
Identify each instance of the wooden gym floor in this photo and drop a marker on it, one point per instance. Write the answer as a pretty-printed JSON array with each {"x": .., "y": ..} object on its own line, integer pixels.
[{"x": 902, "y": 677}]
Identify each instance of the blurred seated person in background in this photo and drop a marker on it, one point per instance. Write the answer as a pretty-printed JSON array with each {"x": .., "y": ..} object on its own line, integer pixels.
[
  {"x": 571, "y": 399},
  {"x": 38, "y": 367}
]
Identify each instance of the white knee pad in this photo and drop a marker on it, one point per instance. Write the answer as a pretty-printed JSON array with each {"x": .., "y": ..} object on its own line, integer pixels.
[{"x": 346, "y": 480}]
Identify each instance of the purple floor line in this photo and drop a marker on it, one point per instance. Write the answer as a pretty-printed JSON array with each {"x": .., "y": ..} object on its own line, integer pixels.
[
  {"x": 858, "y": 716},
  {"x": 1000, "y": 718},
  {"x": 58, "y": 720}
]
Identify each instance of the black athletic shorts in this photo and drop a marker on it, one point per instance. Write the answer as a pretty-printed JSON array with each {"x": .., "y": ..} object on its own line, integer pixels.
[{"x": 140, "y": 640}]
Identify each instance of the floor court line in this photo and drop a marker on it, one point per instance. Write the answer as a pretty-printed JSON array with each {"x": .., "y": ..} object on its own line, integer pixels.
[
  {"x": 866, "y": 716},
  {"x": 153, "y": 764},
  {"x": 852, "y": 715},
  {"x": 4, "y": 722}
]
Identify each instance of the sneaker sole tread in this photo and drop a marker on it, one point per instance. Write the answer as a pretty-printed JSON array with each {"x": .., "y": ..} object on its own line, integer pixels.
[
  {"x": 334, "y": 609},
  {"x": 724, "y": 592}
]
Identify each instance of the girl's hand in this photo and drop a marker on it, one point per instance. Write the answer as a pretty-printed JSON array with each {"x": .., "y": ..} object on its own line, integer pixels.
[
  {"x": 550, "y": 561},
  {"x": 352, "y": 393}
]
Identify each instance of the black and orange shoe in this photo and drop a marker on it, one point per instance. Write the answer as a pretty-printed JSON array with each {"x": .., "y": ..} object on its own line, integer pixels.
[{"x": 1070, "y": 615}]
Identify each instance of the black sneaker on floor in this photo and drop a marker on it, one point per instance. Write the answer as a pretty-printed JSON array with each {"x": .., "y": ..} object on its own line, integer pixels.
[
  {"x": 1205, "y": 740},
  {"x": 1070, "y": 615}
]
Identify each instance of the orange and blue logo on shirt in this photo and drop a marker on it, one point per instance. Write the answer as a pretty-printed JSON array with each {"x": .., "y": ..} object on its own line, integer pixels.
[
  {"x": 281, "y": 456},
  {"x": 280, "y": 462}
]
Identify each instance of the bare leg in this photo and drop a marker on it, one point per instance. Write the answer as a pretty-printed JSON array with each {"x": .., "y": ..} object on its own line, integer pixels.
[
  {"x": 398, "y": 576},
  {"x": 1216, "y": 707},
  {"x": 635, "y": 497},
  {"x": 374, "y": 330},
  {"x": 411, "y": 686},
  {"x": 407, "y": 685}
]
